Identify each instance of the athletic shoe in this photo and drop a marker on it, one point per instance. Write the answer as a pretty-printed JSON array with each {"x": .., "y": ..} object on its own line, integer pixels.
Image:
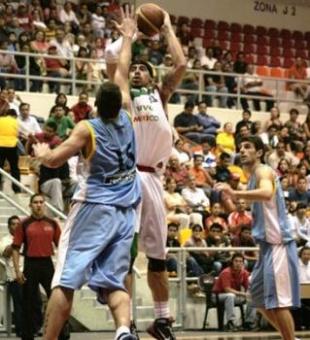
[
  {"x": 230, "y": 327},
  {"x": 161, "y": 329},
  {"x": 127, "y": 336},
  {"x": 134, "y": 330}
]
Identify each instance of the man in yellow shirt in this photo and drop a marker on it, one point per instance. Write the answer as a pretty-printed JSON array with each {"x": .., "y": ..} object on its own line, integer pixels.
[{"x": 8, "y": 144}]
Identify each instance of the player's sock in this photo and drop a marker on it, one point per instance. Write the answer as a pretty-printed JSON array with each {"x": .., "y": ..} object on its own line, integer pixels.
[
  {"x": 121, "y": 330},
  {"x": 161, "y": 309}
]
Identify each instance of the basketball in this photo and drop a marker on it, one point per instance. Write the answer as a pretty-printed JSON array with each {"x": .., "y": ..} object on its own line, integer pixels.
[{"x": 150, "y": 18}]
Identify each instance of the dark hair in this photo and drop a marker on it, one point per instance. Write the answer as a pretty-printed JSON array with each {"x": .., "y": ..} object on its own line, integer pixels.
[
  {"x": 189, "y": 104},
  {"x": 23, "y": 104},
  {"x": 51, "y": 124},
  {"x": 11, "y": 112},
  {"x": 294, "y": 111},
  {"x": 201, "y": 102},
  {"x": 247, "y": 111},
  {"x": 108, "y": 100},
  {"x": 244, "y": 227},
  {"x": 34, "y": 196},
  {"x": 10, "y": 219},
  {"x": 255, "y": 140},
  {"x": 175, "y": 225},
  {"x": 197, "y": 155},
  {"x": 216, "y": 226},
  {"x": 304, "y": 248},
  {"x": 236, "y": 255},
  {"x": 273, "y": 126},
  {"x": 301, "y": 205},
  {"x": 197, "y": 226},
  {"x": 61, "y": 94},
  {"x": 224, "y": 155}
]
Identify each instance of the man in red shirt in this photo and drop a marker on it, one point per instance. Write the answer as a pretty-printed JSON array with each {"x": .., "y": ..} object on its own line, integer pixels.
[
  {"x": 38, "y": 234},
  {"x": 239, "y": 217},
  {"x": 82, "y": 110},
  {"x": 231, "y": 287}
]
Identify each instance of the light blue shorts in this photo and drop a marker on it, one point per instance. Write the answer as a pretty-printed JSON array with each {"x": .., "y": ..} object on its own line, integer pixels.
[
  {"x": 275, "y": 277},
  {"x": 95, "y": 248}
]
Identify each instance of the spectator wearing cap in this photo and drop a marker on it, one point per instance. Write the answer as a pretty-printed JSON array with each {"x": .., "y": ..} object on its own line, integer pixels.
[
  {"x": 238, "y": 218},
  {"x": 202, "y": 177},
  {"x": 187, "y": 124}
]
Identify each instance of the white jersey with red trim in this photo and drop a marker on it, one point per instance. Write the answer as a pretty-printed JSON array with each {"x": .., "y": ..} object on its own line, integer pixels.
[{"x": 152, "y": 129}]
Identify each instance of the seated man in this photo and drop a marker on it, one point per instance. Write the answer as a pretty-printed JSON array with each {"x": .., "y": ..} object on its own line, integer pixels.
[
  {"x": 172, "y": 242},
  {"x": 253, "y": 85},
  {"x": 231, "y": 288}
]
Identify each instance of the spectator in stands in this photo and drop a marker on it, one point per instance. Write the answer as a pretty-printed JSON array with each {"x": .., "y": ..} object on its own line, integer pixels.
[
  {"x": 184, "y": 35},
  {"x": 82, "y": 110},
  {"x": 245, "y": 239},
  {"x": 225, "y": 141},
  {"x": 243, "y": 132},
  {"x": 14, "y": 288},
  {"x": 28, "y": 123},
  {"x": 181, "y": 151},
  {"x": 278, "y": 154},
  {"x": 270, "y": 137},
  {"x": 302, "y": 315},
  {"x": 67, "y": 14},
  {"x": 83, "y": 15},
  {"x": 38, "y": 234},
  {"x": 177, "y": 209},
  {"x": 274, "y": 119},
  {"x": 294, "y": 126},
  {"x": 12, "y": 42},
  {"x": 202, "y": 177},
  {"x": 98, "y": 22},
  {"x": 246, "y": 120},
  {"x": 187, "y": 124},
  {"x": 4, "y": 105},
  {"x": 4, "y": 32},
  {"x": 302, "y": 224},
  {"x": 190, "y": 82},
  {"x": 230, "y": 83},
  {"x": 7, "y": 63},
  {"x": 37, "y": 20},
  {"x": 227, "y": 59},
  {"x": 240, "y": 65},
  {"x": 50, "y": 32},
  {"x": 61, "y": 99},
  {"x": 216, "y": 238},
  {"x": 300, "y": 193},
  {"x": 208, "y": 61},
  {"x": 215, "y": 217},
  {"x": 62, "y": 46},
  {"x": 39, "y": 44},
  {"x": 239, "y": 218},
  {"x": 283, "y": 168},
  {"x": 24, "y": 17},
  {"x": 55, "y": 68},
  {"x": 13, "y": 99},
  {"x": 195, "y": 197},
  {"x": 222, "y": 172},
  {"x": 172, "y": 242},
  {"x": 192, "y": 55},
  {"x": 64, "y": 123},
  {"x": 198, "y": 262},
  {"x": 177, "y": 171},
  {"x": 298, "y": 72},
  {"x": 253, "y": 85},
  {"x": 156, "y": 53},
  {"x": 228, "y": 287},
  {"x": 216, "y": 83},
  {"x": 209, "y": 158},
  {"x": 8, "y": 146}
]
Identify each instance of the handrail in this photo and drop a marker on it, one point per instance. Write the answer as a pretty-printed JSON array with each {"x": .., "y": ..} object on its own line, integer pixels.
[
  {"x": 71, "y": 79},
  {"x": 12, "y": 202},
  {"x": 30, "y": 192}
]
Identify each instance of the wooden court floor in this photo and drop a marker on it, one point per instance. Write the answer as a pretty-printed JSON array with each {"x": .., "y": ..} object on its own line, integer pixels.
[{"x": 198, "y": 335}]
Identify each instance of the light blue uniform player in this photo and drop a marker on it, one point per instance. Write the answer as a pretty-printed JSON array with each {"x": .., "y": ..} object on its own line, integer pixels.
[
  {"x": 275, "y": 279},
  {"x": 99, "y": 231},
  {"x": 95, "y": 244}
]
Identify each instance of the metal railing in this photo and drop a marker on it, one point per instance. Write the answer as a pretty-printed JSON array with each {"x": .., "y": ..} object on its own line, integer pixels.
[{"x": 74, "y": 82}]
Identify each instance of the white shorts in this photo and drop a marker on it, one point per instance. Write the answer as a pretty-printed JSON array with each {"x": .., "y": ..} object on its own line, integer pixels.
[{"x": 151, "y": 217}]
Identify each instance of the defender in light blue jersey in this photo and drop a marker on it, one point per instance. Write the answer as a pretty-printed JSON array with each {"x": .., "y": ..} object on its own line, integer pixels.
[
  {"x": 275, "y": 279},
  {"x": 96, "y": 240}
]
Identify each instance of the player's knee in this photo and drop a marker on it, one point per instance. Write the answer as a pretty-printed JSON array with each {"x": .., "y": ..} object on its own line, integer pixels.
[{"x": 156, "y": 265}]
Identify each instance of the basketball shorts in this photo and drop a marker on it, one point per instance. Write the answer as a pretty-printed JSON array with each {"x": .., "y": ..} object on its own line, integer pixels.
[
  {"x": 275, "y": 277},
  {"x": 151, "y": 217},
  {"x": 94, "y": 248}
]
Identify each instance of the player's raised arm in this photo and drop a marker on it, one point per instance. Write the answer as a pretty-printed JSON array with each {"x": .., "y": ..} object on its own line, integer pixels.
[
  {"x": 127, "y": 29},
  {"x": 174, "y": 77},
  {"x": 79, "y": 138}
]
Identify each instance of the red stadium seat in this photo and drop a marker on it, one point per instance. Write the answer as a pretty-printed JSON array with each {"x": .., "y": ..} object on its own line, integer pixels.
[
  {"x": 223, "y": 26},
  {"x": 262, "y": 60},
  {"x": 288, "y": 62},
  {"x": 261, "y": 30},
  {"x": 182, "y": 20},
  {"x": 249, "y": 38},
  {"x": 287, "y": 43},
  {"x": 235, "y": 37},
  {"x": 197, "y": 32},
  {"x": 224, "y": 45},
  {"x": 196, "y": 22},
  {"x": 222, "y": 35},
  {"x": 209, "y": 34},
  {"x": 285, "y": 34},
  {"x": 275, "y": 52},
  {"x": 262, "y": 40},
  {"x": 300, "y": 53},
  {"x": 262, "y": 70},
  {"x": 235, "y": 47},
  {"x": 207, "y": 42},
  {"x": 248, "y": 29},
  {"x": 235, "y": 27},
  {"x": 275, "y": 62},
  {"x": 249, "y": 48},
  {"x": 262, "y": 49},
  {"x": 288, "y": 53},
  {"x": 250, "y": 58},
  {"x": 299, "y": 44},
  {"x": 298, "y": 35},
  {"x": 273, "y": 32},
  {"x": 274, "y": 42},
  {"x": 277, "y": 72},
  {"x": 209, "y": 24},
  {"x": 307, "y": 36}
]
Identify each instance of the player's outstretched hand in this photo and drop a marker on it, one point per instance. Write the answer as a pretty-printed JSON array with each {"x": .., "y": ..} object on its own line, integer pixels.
[
  {"x": 40, "y": 150},
  {"x": 128, "y": 25},
  {"x": 225, "y": 189}
]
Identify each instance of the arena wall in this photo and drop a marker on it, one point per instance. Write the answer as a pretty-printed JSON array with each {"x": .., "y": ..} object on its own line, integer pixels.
[{"x": 255, "y": 12}]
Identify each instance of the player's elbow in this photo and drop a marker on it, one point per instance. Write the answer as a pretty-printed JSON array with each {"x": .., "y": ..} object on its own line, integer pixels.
[{"x": 267, "y": 195}]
